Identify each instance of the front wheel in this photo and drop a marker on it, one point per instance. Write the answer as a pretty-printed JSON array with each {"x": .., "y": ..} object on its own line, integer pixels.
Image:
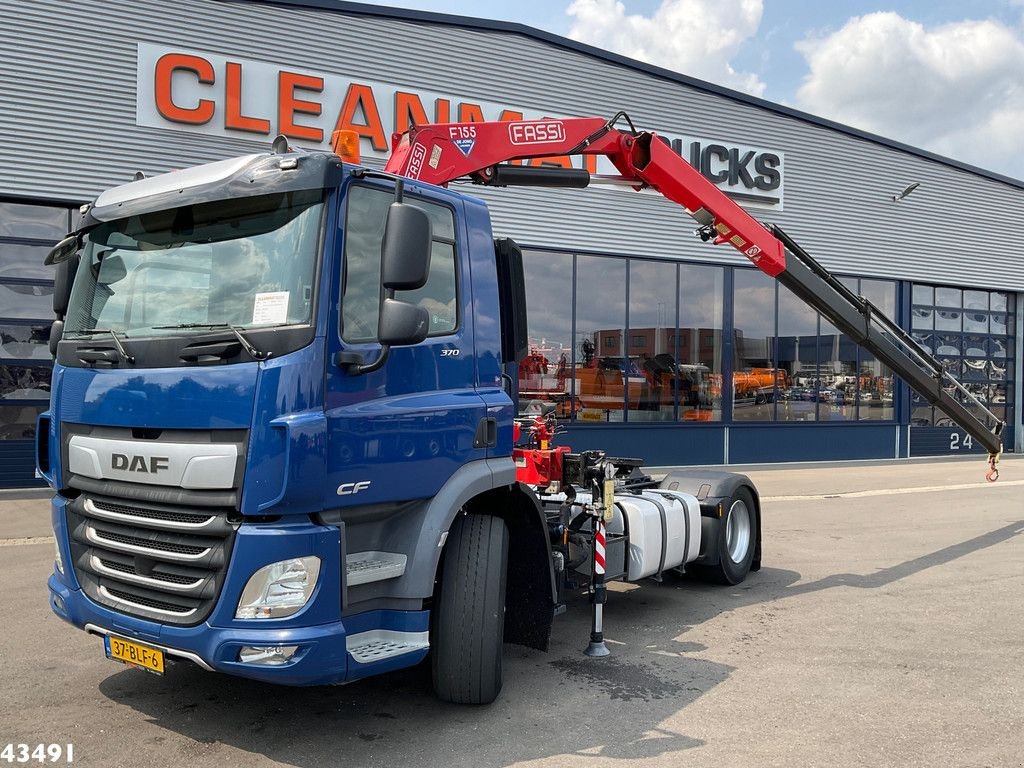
[
  {"x": 468, "y": 622},
  {"x": 737, "y": 540}
]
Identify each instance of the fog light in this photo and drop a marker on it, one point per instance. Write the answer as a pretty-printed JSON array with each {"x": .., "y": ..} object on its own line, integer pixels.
[
  {"x": 58, "y": 603},
  {"x": 267, "y": 655},
  {"x": 58, "y": 561},
  {"x": 279, "y": 589}
]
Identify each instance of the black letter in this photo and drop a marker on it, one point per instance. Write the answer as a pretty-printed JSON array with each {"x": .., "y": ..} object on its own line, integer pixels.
[
  {"x": 118, "y": 461},
  {"x": 716, "y": 150},
  {"x": 767, "y": 165},
  {"x": 159, "y": 462},
  {"x": 738, "y": 167}
]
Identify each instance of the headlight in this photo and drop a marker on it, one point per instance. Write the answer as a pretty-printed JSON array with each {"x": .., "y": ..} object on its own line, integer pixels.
[
  {"x": 279, "y": 589},
  {"x": 57, "y": 559}
]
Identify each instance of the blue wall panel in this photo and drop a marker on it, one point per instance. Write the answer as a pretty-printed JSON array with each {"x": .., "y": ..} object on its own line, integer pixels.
[
  {"x": 661, "y": 445},
  {"x": 810, "y": 442},
  {"x": 18, "y": 464}
]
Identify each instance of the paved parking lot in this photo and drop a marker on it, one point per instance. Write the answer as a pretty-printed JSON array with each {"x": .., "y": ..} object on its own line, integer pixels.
[{"x": 885, "y": 629}]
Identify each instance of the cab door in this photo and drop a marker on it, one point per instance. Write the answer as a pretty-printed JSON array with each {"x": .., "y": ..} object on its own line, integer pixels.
[{"x": 398, "y": 433}]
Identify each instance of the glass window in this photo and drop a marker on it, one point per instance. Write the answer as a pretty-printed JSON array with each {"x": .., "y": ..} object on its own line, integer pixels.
[
  {"x": 800, "y": 379},
  {"x": 875, "y": 379},
  {"x": 972, "y": 344},
  {"x": 24, "y": 342},
  {"x": 20, "y": 382},
  {"x": 26, "y": 302},
  {"x": 754, "y": 369},
  {"x": 949, "y": 297},
  {"x": 602, "y": 374},
  {"x": 699, "y": 342},
  {"x": 247, "y": 262},
  {"x": 33, "y": 222},
  {"x": 24, "y": 261},
  {"x": 365, "y": 218},
  {"x": 652, "y": 354},
  {"x": 18, "y": 422},
  {"x": 545, "y": 376}
]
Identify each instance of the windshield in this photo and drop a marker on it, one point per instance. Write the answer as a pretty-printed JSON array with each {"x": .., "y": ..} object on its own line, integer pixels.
[{"x": 247, "y": 263}]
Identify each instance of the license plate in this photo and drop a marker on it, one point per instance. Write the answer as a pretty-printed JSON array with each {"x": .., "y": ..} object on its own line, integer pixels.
[{"x": 134, "y": 655}]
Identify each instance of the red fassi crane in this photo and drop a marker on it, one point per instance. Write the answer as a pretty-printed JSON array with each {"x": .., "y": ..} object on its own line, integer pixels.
[{"x": 481, "y": 152}]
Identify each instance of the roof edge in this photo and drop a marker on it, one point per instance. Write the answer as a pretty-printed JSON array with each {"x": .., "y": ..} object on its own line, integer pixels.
[{"x": 513, "y": 27}]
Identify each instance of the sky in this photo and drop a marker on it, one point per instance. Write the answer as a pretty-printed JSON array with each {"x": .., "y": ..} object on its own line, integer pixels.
[{"x": 941, "y": 75}]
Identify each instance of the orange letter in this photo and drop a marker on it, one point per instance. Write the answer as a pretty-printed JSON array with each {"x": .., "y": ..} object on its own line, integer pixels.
[
  {"x": 165, "y": 68},
  {"x": 233, "y": 117},
  {"x": 409, "y": 111},
  {"x": 470, "y": 113},
  {"x": 288, "y": 105},
  {"x": 442, "y": 111},
  {"x": 361, "y": 96}
]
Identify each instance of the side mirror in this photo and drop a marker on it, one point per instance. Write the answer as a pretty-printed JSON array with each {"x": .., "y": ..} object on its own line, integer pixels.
[
  {"x": 64, "y": 250},
  {"x": 62, "y": 282},
  {"x": 405, "y": 250},
  {"x": 402, "y": 323}
]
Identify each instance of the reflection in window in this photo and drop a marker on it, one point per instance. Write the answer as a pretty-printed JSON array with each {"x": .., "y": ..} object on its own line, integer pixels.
[
  {"x": 603, "y": 374},
  {"x": 699, "y": 342},
  {"x": 545, "y": 376},
  {"x": 972, "y": 344},
  {"x": 652, "y": 320},
  {"x": 365, "y": 218},
  {"x": 875, "y": 393},
  {"x": 799, "y": 380},
  {"x": 26, "y": 302},
  {"x": 25, "y": 342},
  {"x": 19, "y": 382},
  {"x": 754, "y": 371},
  {"x": 33, "y": 222},
  {"x": 18, "y": 422}
]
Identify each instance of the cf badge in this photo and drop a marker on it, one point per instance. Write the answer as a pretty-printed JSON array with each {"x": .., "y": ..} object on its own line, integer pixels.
[{"x": 349, "y": 489}]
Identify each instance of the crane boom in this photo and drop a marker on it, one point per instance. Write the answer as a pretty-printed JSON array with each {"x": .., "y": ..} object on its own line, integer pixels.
[{"x": 483, "y": 152}]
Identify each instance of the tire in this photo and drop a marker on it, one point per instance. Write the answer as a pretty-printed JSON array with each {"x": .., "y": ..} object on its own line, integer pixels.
[
  {"x": 468, "y": 622},
  {"x": 737, "y": 540}
]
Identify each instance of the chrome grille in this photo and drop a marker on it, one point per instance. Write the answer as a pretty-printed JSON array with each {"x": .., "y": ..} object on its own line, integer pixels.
[{"x": 156, "y": 561}]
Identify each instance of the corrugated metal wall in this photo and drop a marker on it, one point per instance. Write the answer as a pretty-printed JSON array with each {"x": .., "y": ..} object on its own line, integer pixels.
[{"x": 67, "y": 130}]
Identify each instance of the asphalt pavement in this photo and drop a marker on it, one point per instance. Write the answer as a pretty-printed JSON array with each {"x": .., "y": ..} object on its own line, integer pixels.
[{"x": 885, "y": 629}]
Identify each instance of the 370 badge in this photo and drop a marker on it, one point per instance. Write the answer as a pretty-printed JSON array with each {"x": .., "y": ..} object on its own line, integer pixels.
[{"x": 536, "y": 132}]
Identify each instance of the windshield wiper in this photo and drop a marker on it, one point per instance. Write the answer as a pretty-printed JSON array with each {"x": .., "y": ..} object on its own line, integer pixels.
[
  {"x": 257, "y": 354},
  {"x": 117, "y": 342}
]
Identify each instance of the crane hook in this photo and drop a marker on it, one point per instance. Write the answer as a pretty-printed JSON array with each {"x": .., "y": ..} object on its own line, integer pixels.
[{"x": 993, "y": 473}]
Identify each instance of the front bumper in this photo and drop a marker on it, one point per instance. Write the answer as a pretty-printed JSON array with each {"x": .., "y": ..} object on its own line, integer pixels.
[{"x": 318, "y": 630}]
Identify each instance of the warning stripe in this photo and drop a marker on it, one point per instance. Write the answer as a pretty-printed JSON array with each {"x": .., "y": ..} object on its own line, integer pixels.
[{"x": 599, "y": 548}]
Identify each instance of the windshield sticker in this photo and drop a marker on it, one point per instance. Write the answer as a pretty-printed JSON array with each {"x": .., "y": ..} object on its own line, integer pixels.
[{"x": 270, "y": 308}]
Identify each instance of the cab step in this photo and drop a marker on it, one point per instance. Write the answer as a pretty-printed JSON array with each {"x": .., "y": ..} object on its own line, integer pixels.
[
  {"x": 367, "y": 567},
  {"x": 380, "y": 644}
]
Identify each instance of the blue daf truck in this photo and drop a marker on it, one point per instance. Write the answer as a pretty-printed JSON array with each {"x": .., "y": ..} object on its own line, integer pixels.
[{"x": 281, "y": 430}]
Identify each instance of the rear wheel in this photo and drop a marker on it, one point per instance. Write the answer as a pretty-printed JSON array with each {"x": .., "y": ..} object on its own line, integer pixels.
[
  {"x": 468, "y": 623},
  {"x": 737, "y": 539}
]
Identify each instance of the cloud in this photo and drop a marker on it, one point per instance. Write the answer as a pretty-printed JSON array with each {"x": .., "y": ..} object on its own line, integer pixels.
[
  {"x": 956, "y": 89},
  {"x": 694, "y": 37}
]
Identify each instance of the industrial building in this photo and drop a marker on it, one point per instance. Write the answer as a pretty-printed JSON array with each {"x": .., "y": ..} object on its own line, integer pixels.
[{"x": 647, "y": 340}]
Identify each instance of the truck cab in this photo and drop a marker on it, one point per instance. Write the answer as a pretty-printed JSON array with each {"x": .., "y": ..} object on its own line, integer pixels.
[{"x": 260, "y": 435}]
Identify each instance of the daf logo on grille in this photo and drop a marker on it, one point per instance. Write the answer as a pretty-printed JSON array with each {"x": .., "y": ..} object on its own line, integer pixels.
[{"x": 148, "y": 464}]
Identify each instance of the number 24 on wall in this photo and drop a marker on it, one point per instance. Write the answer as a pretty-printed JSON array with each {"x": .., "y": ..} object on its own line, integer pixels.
[{"x": 955, "y": 442}]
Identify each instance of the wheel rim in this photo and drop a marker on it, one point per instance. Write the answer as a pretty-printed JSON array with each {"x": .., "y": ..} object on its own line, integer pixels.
[{"x": 737, "y": 532}]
